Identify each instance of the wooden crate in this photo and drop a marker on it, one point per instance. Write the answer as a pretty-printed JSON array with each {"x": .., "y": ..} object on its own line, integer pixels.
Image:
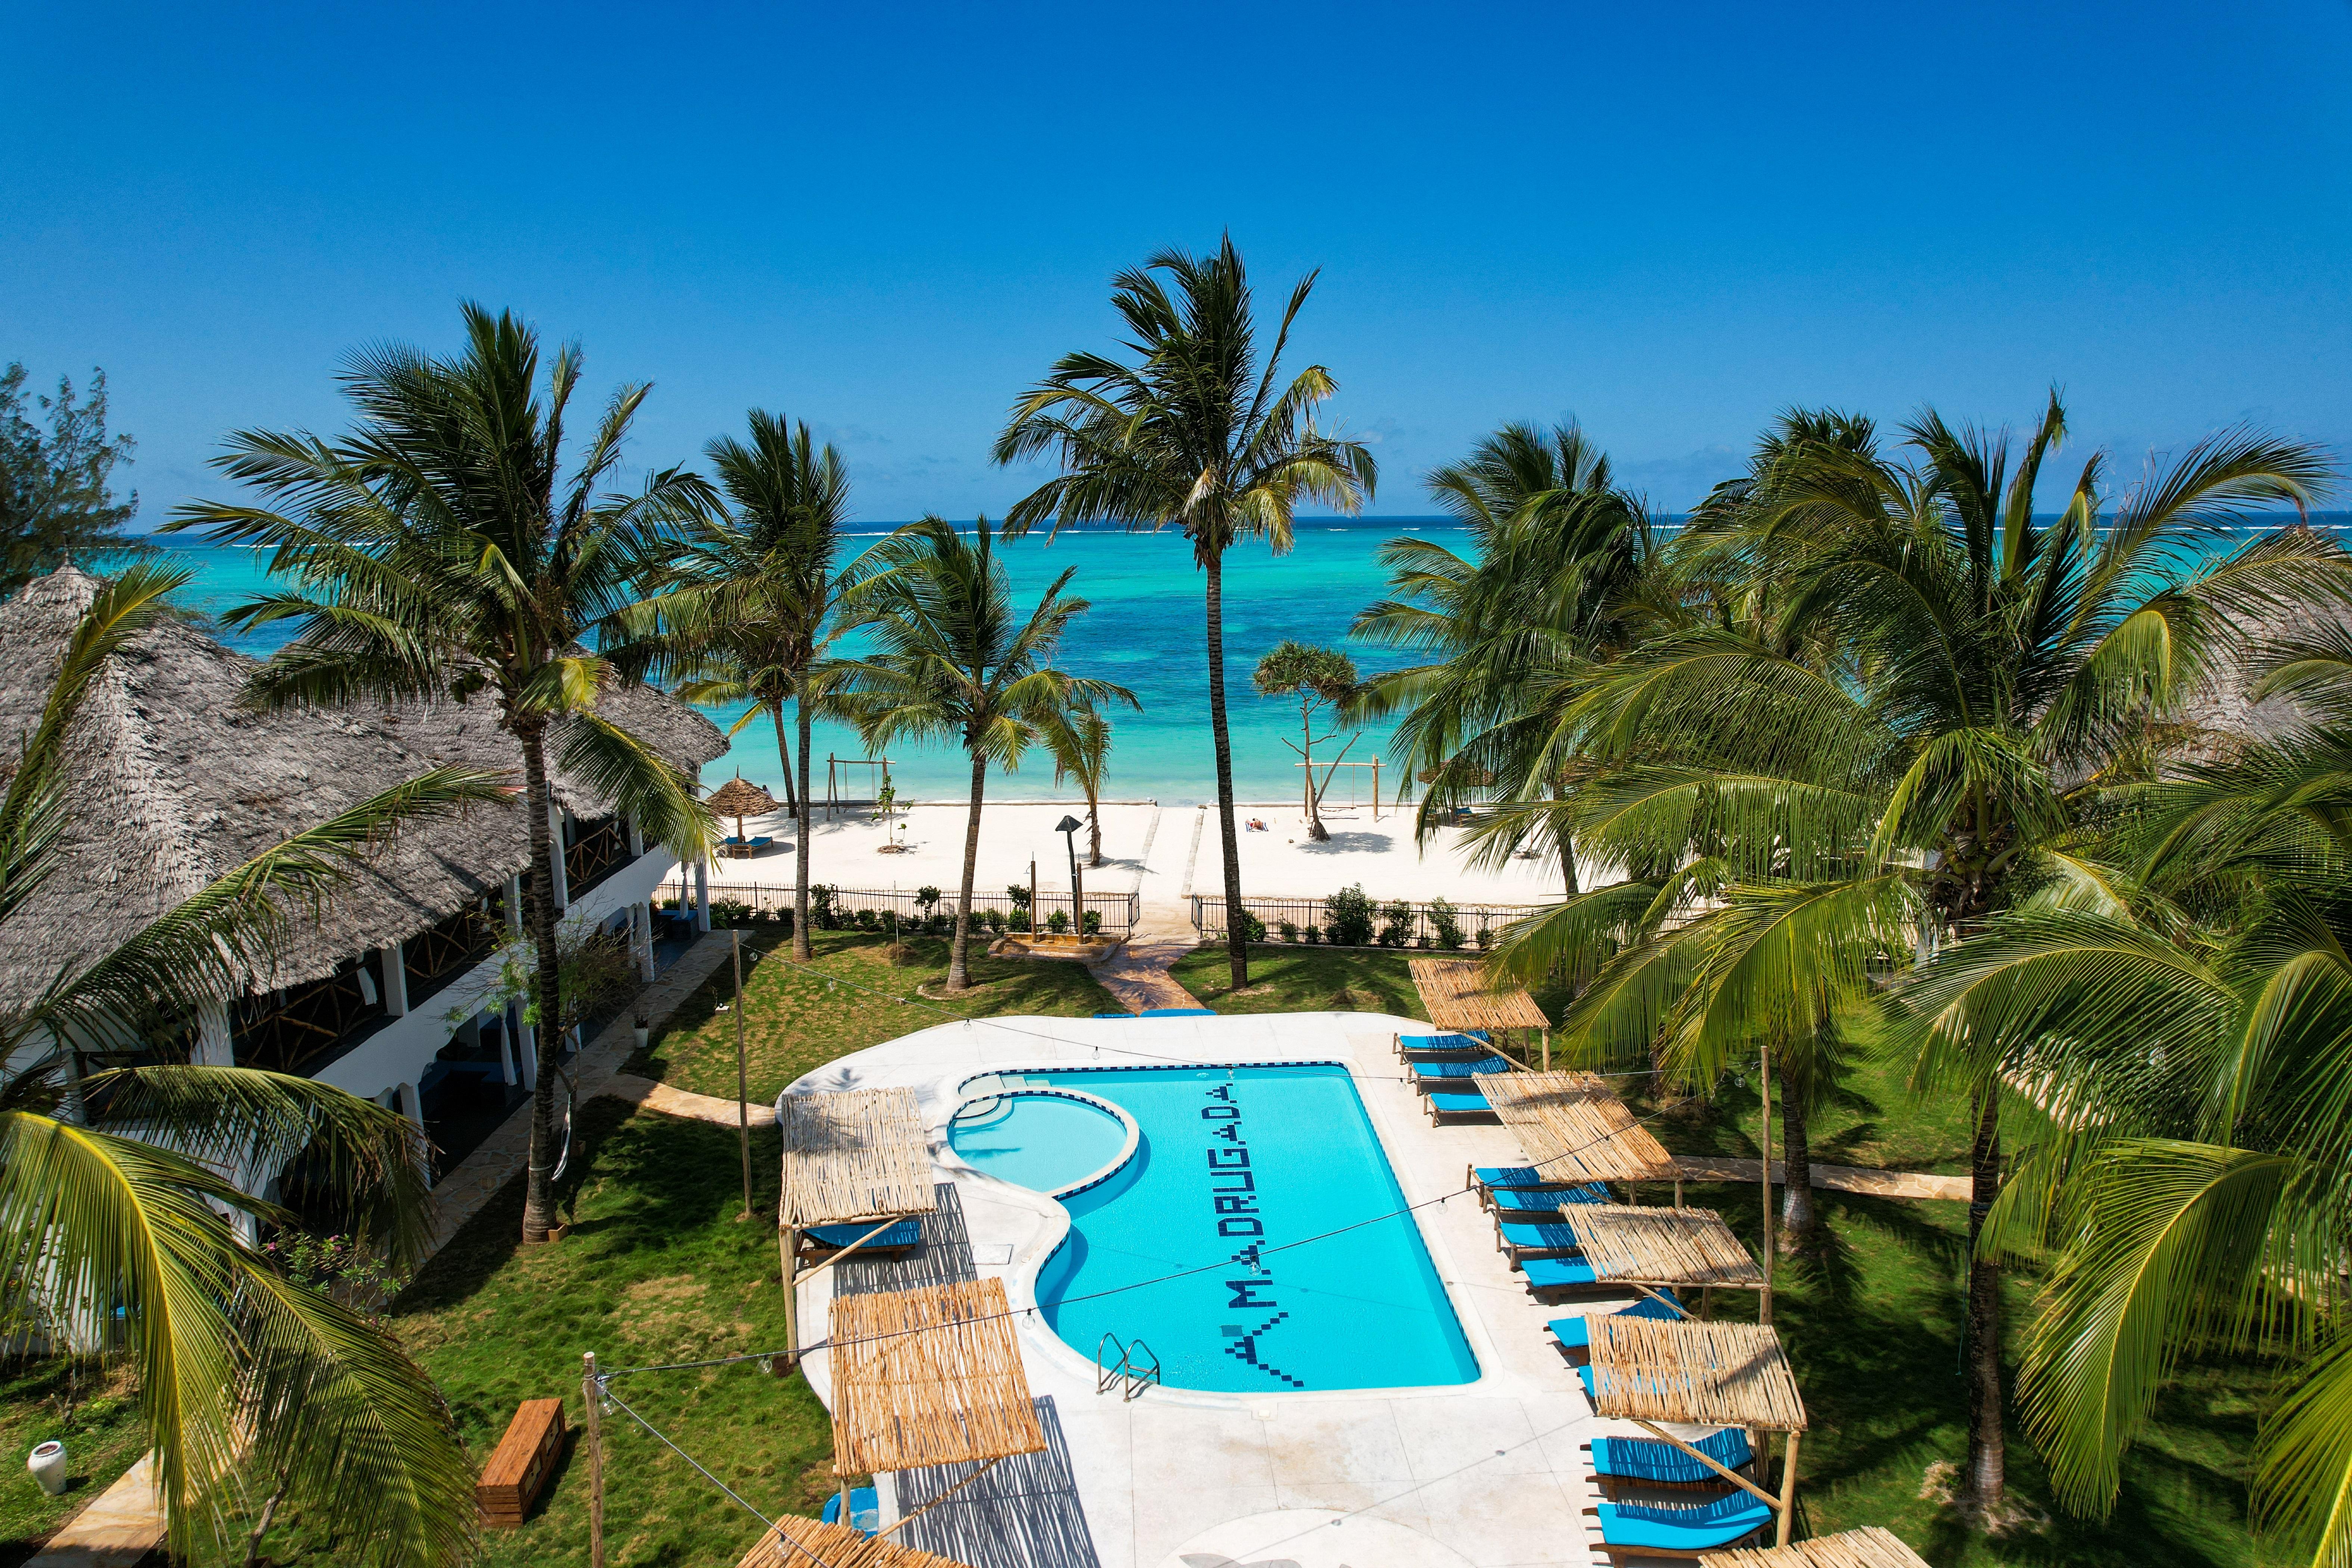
[{"x": 520, "y": 1464}]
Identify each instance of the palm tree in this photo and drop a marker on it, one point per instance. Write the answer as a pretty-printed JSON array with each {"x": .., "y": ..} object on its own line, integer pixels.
[
  {"x": 1080, "y": 742},
  {"x": 1914, "y": 691},
  {"x": 1316, "y": 678},
  {"x": 112, "y": 1196},
  {"x": 1562, "y": 575},
  {"x": 753, "y": 603},
  {"x": 951, "y": 660},
  {"x": 438, "y": 552},
  {"x": 1193, "y": 433}
]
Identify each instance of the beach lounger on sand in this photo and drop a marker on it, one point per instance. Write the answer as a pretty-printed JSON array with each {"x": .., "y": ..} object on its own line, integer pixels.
[
  {"x": 1520, "y": 1241},
  {"x": 1429, "y": 1075},
  {"x": 1473, "y": 1043},
  {"x": 1558, "y": 1274},
  {"x": 1452, "y": 1110},
  {"x": 865, "y": 1509},
  {"x": 1646, "y": 1462},
  {"x": 1654, "y": 1530}
]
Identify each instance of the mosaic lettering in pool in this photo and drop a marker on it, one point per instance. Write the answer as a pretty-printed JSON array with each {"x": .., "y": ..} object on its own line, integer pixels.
[{"x": 1256, "y": 1241}]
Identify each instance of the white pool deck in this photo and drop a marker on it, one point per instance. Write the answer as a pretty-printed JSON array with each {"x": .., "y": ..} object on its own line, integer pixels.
[{"x": 1485, "y": 1473}]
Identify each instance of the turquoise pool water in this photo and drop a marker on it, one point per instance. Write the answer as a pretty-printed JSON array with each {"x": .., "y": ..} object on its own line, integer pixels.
[
  {"x": 1232, "y": 1168},
  {"x": 1045, "y": 1142}
]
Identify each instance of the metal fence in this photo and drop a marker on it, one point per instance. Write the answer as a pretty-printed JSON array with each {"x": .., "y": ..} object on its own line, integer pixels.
[
  {"x": 1118, "y": 911},
  {"x": 1396, "y": 924}
]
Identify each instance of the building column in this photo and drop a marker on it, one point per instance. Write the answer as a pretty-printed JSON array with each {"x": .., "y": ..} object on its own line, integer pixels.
[
  {"x": 215, "y": 1045},
  {"x": 514, "y": 907},
  {"x": 637, "y": 837},
  {"x": 702, "y": 896},
  {"x": 526, "y": 1047},
  {"x": 506, "y": 1073},
  {"x": 412, "y": 1106},
  {"x": 559, "y": 872},
  {"x": 394, "y": 975},
  {"x": 641, "y": 922}
]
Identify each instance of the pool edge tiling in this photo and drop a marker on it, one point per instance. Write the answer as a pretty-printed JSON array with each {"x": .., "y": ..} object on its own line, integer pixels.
[{"x": 1490, "y": 1469}]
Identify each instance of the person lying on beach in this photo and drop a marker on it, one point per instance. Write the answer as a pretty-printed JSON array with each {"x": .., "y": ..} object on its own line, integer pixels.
[{"x": 1256, "y": 825}]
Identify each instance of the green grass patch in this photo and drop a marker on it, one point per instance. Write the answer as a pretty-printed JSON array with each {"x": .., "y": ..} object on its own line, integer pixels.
[
  {"x": 797, "y": 1018},
  {"x": 1298, "y": 978},
  {"x": 91, "y": 1407}
]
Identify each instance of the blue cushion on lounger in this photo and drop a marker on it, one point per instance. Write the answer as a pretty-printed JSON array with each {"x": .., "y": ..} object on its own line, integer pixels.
[
  {"x": 1180, "y": 1012},
  {"x": 1647, "y": 1459},
  {"x": 1114, "y": 1015},
  {"x": 904, "y": 1233},
  {"x": 1584, "y": 1376},
  {"x": 1718, "y": 1523},
  {"x": 1576, "y": 1333},
  {"x": 1427, "y": 1071},
  {"x": 1514, "y": 1200},
  {"x": 1553, "y": 1273},
  {"x": 1541, "y": 1238},
  {"x": 1471, "y": 1040},
  {"x": 1458, "y": 1105},
  {"x": 865, "y": 1509},
  {"x": 1592, "y": 1192},
  {"x": 1505, "y": 1177}
]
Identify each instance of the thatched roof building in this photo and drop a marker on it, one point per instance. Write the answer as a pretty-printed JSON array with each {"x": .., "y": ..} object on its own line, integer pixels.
[{"x": 173, "y": 785}]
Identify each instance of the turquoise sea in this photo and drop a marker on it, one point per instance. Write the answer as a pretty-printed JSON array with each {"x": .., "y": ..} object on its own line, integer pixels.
[{"x": 1144, "y": 632}]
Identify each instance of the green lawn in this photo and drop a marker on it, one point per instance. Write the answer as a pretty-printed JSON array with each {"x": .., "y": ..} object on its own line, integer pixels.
[
  {"x": 796, "y": 1019},
  {"x": 102, "y": 1435},
  {"x": 1297, "y": 978}
]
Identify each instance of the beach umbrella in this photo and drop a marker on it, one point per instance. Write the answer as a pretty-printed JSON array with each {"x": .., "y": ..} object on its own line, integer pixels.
[{"x": 740, "y": 798}]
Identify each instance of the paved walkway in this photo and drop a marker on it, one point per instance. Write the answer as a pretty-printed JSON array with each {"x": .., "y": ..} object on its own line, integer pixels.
[
  {"x": 682, "y": 1103},
  {"x": 1137, "y": 973}
]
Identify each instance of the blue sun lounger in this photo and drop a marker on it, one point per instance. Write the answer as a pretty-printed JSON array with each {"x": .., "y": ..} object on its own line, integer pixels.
[
  {"x": 1520, "y": 1242},
  {"x": 865, "y": 1509},
  {"x": 1645, "y": 1462},
  {"x": 1634, "y": 1528},
  {"x": 1576, "y": 1333},
  {"x": 1428, "y": 1075},
  {"x": 1470, "y": 1043},
  {"x": 1558, "y": 1274},
  {"x": 1465, "y": 1107},
  {"x": 1180, "y": 1012},
  {"x": 901, "y": 1235},
  {"x": 1533, "y": 1201}
]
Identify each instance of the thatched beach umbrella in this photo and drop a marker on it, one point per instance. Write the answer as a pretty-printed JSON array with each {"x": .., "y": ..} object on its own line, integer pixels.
[{"x": 740, "y": 798}]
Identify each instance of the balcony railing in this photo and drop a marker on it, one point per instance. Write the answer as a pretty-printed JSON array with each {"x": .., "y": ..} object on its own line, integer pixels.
[
  {"x": 597, "y": 850},
  {"x": 303, "y": 1027},
  {"x": 447, "y": 949}
]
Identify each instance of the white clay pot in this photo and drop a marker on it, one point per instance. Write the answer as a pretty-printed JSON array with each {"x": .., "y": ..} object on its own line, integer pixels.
[{"x": 47, "y": 1463}]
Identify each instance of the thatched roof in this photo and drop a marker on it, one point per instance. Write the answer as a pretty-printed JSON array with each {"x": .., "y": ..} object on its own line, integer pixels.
[
  {"x": 739, "y": 796},
  {"x": 1458, "y": 995},
  {"x": 857, "y": 1153},
  {"x": 815, "y": 1545},
  {"x": 1710, "y": 1375},
  {"x": 172, "y": 785},
  {"x": 1660, "y": 1246},
  {"x": 1869, "y": 1547},
  {"x": 1574, "y": 1128},
  {"x": 929, "y": 1377}
]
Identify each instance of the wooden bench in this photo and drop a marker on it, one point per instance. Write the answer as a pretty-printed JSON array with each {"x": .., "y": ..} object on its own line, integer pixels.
[{"x": 520, "y": 1464}]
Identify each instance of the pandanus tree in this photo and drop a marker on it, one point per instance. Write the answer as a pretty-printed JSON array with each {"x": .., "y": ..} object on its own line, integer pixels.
[
  {"x": 1315, "y": 678},
  {"x": 753, "y": 603},
  {"x": 1561, "y": 574},
  {"x": 113, "y": 1205},
  {"x": 440, "y": 552},
  {"x": 1194, "y": 429},
  {"x": 1916, "y": 693},
  {"x": 951, "y": 659}
]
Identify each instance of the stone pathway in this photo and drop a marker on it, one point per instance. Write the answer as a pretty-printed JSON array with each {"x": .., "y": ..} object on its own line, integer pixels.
[
  {"x": 1137, "y": 973},
  {"x": 1914, "y": 1184},
  {"x": 683, "y": 1103},
  {"x": 122, "y": 1525}
]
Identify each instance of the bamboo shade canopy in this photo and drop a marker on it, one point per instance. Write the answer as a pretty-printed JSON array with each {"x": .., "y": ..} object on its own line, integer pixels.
[
  {"x": 856, "y": 1154},
  {"x": 1574, "y": 1128},
  {"x": 1457, "y": 994},
  {"x": 1712, "y": 1375},
  {"x": 1867, "y": 1548},
  {"x": 929, "y": 1377},
  {"x": 739, "y": 796},
  {"x": 833, "y": 1546},
  {"x": 1661, "y": 1246}
]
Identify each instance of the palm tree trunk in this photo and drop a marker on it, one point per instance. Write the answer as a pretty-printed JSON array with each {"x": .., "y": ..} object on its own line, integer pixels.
[
  {"x": 1314, "y": 827},
  {"x": 1799, "y": 1220},
  {"x": 1987, "y": 1477},
  {"x": 804, "y": 950},
  {"x": 1237, "y": 918},
  {"x": 538, "y": 1198},
  {"x": 959, "y": 967},
  {"x": 1094, "y": 828},
  {"x": 784, "y": 750}
]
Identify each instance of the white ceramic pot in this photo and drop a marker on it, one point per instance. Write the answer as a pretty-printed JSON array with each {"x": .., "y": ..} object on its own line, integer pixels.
[
  {"x": 47, "y": 1463},
  {"x": 645, "y": 1036}
]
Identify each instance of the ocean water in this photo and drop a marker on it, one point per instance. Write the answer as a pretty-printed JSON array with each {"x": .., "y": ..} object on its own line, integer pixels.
[
  {"x": 1256, "y": 1241},
  {"x": 1145, "y": 631}
]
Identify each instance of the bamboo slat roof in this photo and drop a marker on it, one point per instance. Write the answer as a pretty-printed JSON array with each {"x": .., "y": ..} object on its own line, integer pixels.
[
  {"x": 815, "y": 1542},
  {"x": 857, "y": 1153},
  {"x": 1867, "y": 1548},
  {"x": 1712, "y": 1375},
  {"x": 1457, "y": 994},
  {"x": 929, "y": 1377},
  {"x": 1574, "y": 1127},
  {"x": 1661, "y": 1246}
]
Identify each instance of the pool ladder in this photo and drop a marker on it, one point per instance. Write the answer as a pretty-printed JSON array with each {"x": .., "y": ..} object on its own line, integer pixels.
[{"x": 1136, "y": 1369}]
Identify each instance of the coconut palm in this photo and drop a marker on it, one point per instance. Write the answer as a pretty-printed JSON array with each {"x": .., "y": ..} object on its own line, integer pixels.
[
  {"x": 1193, "y": 433},
  {"x": 752, "y": 605},
  {"x": 1938, "y": 686},
  {"x": 439, "y": 550},
  {"x": 112, "y": 1204},
  {"x": 954, "y": 660},
  {"x": 1080, "y": 742},
  {"x": 1318, "y": 677}
]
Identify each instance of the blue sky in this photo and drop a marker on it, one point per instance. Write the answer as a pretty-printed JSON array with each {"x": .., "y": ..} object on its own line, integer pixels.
[{"x": 1667, "y": 222}]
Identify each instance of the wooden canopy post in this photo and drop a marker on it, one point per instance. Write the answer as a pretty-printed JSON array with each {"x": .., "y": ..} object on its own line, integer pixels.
[
  {"x": 743, "y": 1083},
  {"x": 1788, "y": 1504},
  {"x": 595, "y": 1401}
]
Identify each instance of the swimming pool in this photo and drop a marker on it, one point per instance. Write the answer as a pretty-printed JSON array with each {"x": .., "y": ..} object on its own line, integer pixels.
[
  {"x": 1233, "y": 1172},
  {"x": 1042, "y": 1140}
]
